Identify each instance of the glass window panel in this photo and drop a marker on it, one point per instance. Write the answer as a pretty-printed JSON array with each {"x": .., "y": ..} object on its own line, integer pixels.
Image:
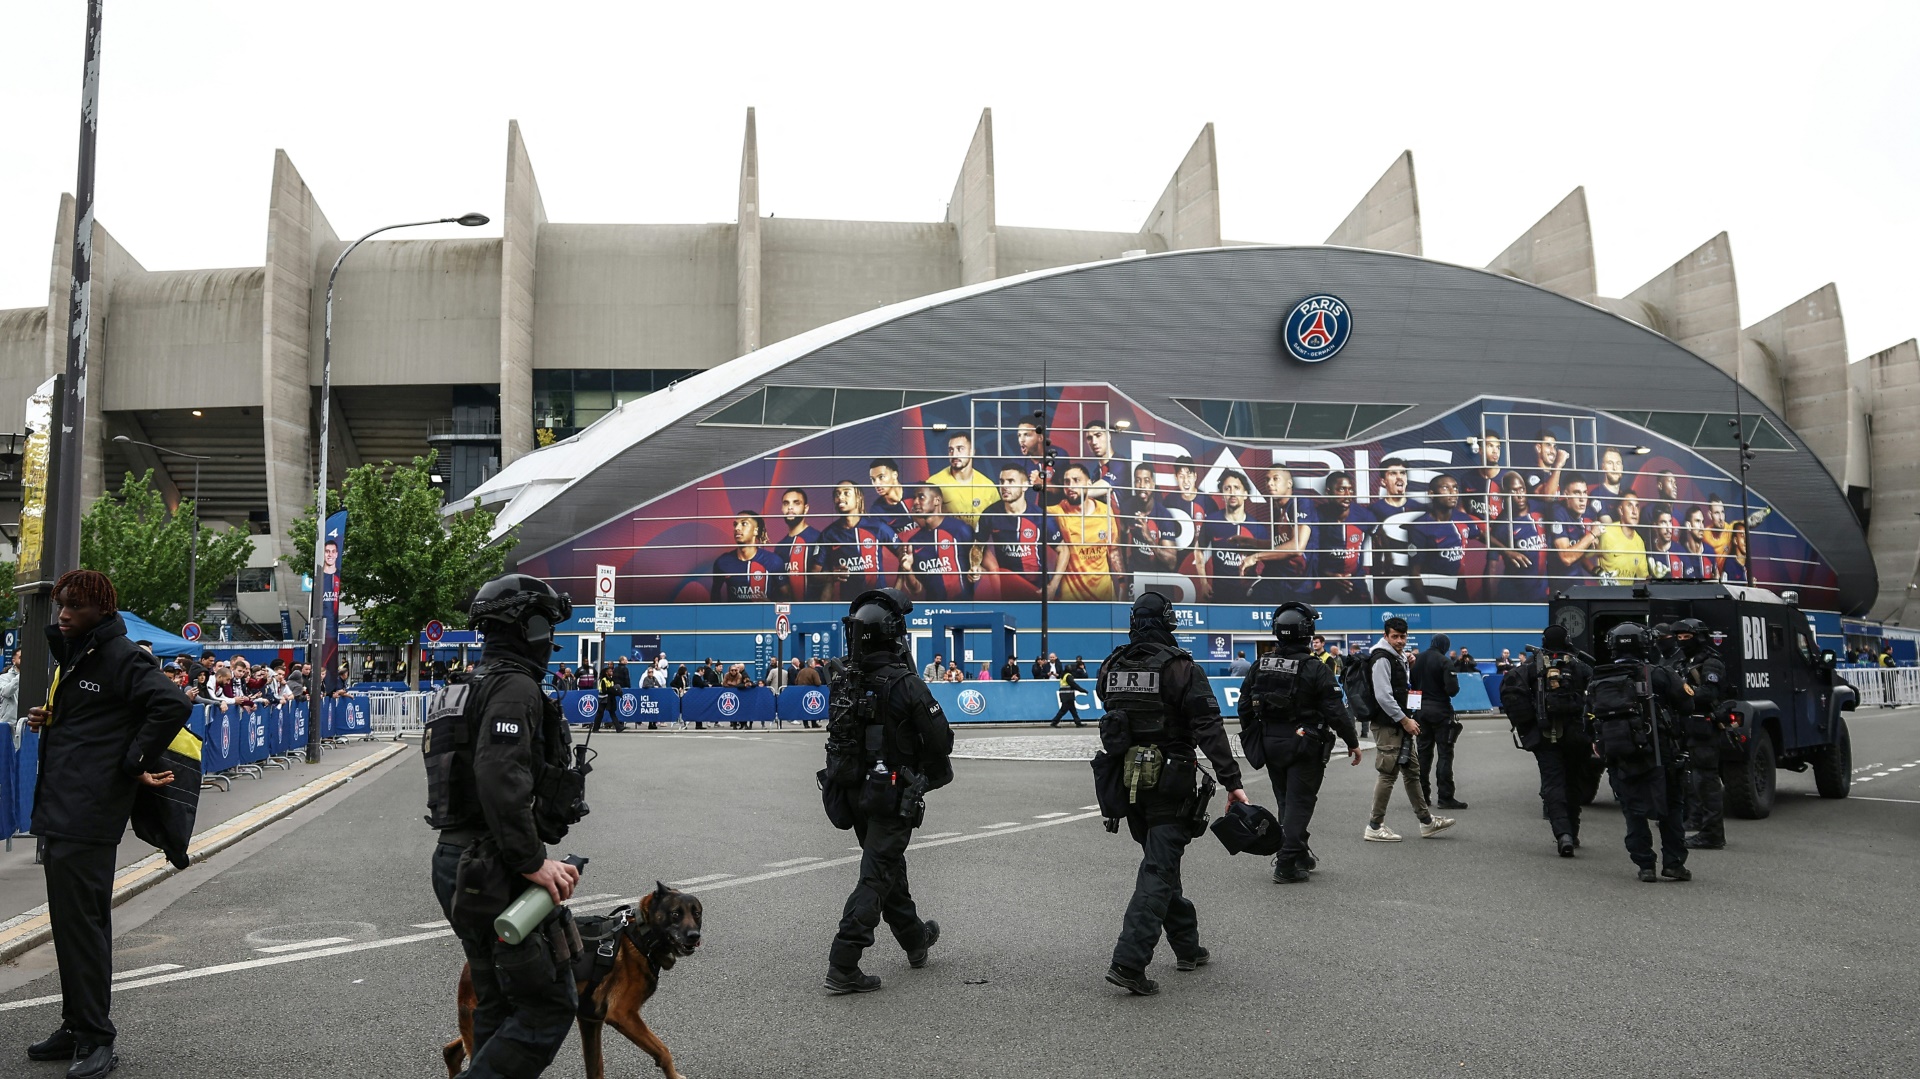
[
  {"x": 599, "y": 400},
  {"x": 1369, "y": 416},
  {"x": 853, "y": 405},
  {"x": 1634, "y": 417},
  {"x": 799, "y": 406},
  {"x": 593, "y": 380},
  {"x": 583, "y": 417},
  {"x": 1682, "y": 427},
  {"x": 629, "y": 381},
  {"x": 745, "y": 411},
  {"x": 1764, "y": 436},
  {"x": 1270, "y": 419},
  {"x": 1320, "y": 422},
  {"x": 1214, "y": 414}
]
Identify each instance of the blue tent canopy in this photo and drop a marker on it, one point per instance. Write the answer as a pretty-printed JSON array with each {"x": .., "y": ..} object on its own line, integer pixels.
[{"x": 165, "y": 645}]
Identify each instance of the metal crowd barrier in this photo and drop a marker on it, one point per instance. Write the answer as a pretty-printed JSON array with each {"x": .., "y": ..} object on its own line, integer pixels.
[
  {"x": 394, "y": 715},
  {"x": 1885, "y": 687}
]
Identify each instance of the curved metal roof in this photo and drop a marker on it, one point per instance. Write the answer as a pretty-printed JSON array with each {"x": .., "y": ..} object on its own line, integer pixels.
[{"x": 1424, "y": 332}]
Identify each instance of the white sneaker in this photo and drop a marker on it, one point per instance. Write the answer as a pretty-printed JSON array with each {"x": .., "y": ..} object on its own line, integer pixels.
[
  {"x": 1435, "y": 827},
  {"x": 1383, "y": 834}
]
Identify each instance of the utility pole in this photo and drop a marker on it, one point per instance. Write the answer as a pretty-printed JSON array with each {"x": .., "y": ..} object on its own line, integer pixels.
[
  {"x": 64, "y": 549},
  {"x": 1739, "y": 422}
]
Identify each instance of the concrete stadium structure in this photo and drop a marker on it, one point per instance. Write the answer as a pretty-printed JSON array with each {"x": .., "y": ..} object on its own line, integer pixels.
[{"x": 485, "y": 348}]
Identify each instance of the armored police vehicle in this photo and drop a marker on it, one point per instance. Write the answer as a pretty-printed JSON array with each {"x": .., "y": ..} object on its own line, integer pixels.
[{"x": 1786, "y": 699}]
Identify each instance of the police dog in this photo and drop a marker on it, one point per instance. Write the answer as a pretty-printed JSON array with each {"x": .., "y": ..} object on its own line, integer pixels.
[{"x": 667, "y": 929}]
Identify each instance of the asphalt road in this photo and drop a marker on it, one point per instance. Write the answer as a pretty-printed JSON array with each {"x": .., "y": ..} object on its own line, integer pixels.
[{"x": 1477, "y": 953}]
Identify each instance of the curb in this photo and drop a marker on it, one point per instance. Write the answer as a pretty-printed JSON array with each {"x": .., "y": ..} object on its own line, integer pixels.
[{"x": 32, "y": 929}]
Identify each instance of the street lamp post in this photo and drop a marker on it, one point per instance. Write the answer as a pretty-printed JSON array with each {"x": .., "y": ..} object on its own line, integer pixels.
[
  {"x": 316, "y": 600},
  {"x": 193, "y": 550}
]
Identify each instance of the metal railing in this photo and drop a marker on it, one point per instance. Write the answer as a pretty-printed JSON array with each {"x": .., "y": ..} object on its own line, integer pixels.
[
  {"x": 1884, "y": 687},
  {"x": 395, "y": 714}
]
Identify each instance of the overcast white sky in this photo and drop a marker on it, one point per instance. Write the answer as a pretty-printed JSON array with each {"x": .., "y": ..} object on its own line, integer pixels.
[{"x": 1794, "y": 127}]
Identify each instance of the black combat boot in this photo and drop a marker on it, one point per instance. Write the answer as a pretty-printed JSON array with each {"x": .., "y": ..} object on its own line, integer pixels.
[
  {"x": 1308, "y": 862},
  {"x": 1133, "y": 981},
  {"x": 1289, "y": 872},
  {"x": 91, "y": 1060},
  {"x": 849, "y": 980},
  {"x": 58, "y": 1045},
  {"x": 1192, "y": 962},
  {"x": 1677, "y": 872},
  {"x": 1702, "y": 841},
  {"x": 930, "y": 936},
  {"x": 1566, "y": 846},
  {"x": 1647, "y": 876}
]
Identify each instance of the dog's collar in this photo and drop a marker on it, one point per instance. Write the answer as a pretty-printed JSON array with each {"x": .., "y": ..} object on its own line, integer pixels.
[{"x": 652, "y": 943}]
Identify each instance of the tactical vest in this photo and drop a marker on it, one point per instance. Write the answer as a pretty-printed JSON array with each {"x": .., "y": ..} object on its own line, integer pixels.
[
  {"x": 860, "y": 730},
  {"x": 1558, "y": 701},
  {"x": 1620, "y": 699},
  {"x": 454, "y": 712},
  {"x": 1279, "y": 683},
  {"x": 1130, "y": 683}
]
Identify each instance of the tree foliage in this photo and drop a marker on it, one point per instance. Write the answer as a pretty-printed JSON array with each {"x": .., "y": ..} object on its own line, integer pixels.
[
  {"x": 130, "y": 537},
  {"x": 402, "y": 565},
  {"x": 9, "y": 605}
]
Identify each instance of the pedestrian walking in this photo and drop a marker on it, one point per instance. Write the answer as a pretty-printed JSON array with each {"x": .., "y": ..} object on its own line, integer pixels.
[
  {"x": 1436, "y": 681},
  {"x": 1380, "y": 685},
  {"x": 1069, "y": 691}
]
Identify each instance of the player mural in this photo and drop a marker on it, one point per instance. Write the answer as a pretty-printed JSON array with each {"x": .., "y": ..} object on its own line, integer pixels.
[{"x": 993, "y": 497}]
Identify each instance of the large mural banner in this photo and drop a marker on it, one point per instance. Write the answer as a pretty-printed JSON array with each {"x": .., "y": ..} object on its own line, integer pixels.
[{"x": 1001, "y": 495}]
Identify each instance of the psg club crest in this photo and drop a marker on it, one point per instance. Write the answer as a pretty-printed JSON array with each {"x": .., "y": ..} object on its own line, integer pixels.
[
  {"x": 729, "y": 703},
  {"x": 589, "y": 705},
  {"x": 813, "y": 702},
  {"x": 628, "y": 705},
  {"x": 972, "y": 701},
  {"x": 1316, "y": 328}
]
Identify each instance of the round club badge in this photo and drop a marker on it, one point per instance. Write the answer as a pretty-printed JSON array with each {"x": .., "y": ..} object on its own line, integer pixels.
[
  {"x": 589, "y": 704},
  {"x": 972, "y": 701},
  {"x": 813, "y": 702},
  {"x": 1316, "y": 328},
  {"x": 729, "y": 703},
  {"x": 629, "y": 704}
]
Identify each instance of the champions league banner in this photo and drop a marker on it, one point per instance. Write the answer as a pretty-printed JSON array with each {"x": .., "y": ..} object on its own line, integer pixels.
[
  {"x": 997, "y": 495},
  {"x": 329, "y": 585}
]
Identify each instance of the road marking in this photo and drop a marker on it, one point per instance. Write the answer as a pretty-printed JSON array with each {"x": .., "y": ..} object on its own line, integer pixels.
[
  {"x": 933, "y": 835},
  {"x": 318, "y": 942},
  {"x": 1089, "y": 807},
  {"x": 1002, "y": 824},
  {"x": 790, "y": 862},
  {"x": 429, "y": 925},
  {"x": 1877, "y": 775},
  {"x": 690, "y": 881},
  {"x": 575, "y": 899},
  {"x": 389, "y": 942},
  {"x": 1047, "y": 816},
  {"x": 1902, "y": 801},
  {"x": 157, "y": 968}
]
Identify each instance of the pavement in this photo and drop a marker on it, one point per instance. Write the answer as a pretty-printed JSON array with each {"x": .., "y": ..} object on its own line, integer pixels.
[{"x": 316, "y": 948}]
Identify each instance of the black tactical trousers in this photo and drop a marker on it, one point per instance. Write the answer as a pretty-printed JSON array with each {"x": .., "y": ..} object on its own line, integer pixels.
[
  {"x": 1706, "y": 794},
  {"x": 1157, "y": 900},
  {"x": 80, "y": 907},
  {"x": 1066, "y": 709},
  {"x": 1658, "y": 793},
  {"x": 1435, "y": 744},
  {"x": 1561, "y": 767},
  {"x": 1296, "y": 790},
  {"x": 523, "y": 1003},
  {"x": 609, "y": 711},
  {"x": 881, "y": 893}
]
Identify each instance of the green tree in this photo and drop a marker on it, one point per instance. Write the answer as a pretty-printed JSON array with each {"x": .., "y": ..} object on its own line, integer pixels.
[
  {"x": 404, "y": 565},
  {"x": 9, "y": 604},
  {"x": 130, "y": 537}
]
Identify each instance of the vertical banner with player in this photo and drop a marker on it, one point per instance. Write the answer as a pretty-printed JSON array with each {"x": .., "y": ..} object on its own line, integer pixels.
[{"x": 329, "y": 583}]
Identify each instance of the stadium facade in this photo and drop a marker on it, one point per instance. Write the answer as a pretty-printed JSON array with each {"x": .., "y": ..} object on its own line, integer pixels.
[{"x": 488, "y": 348}]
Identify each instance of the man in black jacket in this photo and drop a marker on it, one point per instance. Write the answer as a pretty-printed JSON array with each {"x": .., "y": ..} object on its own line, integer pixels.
[
  {"x": 1545, "y": 698},
  {"x": 1159, "y": 704},
  {"x": 1293, "y": 701},
  {"x": 1434, "y": 679},
  {"x": 497, "y": 759},
  {"x": 110, "y": 716}
]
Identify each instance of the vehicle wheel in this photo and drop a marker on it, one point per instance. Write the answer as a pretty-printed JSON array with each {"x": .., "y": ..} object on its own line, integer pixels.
[
  {"x": 1749, "y": 782},
  {"x": 1833, "y": 768}
]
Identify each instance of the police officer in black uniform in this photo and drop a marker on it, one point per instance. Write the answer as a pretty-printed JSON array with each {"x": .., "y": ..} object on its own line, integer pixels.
[
  {"x": 888, "y": 743},
  {"x": 1696, "y": 660},
  {"x": 499, "y": 789},
  {"x": 1644, "y": 766},
  {"x": 1159, "y": 708},
  {"x": 1294, "y": 701},
  {"x": 1545, "y": 699}
]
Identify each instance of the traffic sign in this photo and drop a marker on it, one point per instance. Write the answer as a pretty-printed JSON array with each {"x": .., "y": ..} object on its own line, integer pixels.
[
  {"x": 191, "y": 631},
  {"x": 435, "y": 631},
  {"x": 782, "y": 626},
  {"x": 603, "y": 577}
]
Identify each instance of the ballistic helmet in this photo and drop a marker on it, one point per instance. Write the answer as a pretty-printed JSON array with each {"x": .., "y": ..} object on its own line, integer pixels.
[
  {"x": 1628, "y": 639},
  {"x": 1152, "y": 611},
  {"x": 1293, "y": 622},
  {"x": 1696, "y": 632},
  {"x": 1248, "y": 828},
  {"x": 527, "y": 602},
  {"x": 877, "y": 621}
]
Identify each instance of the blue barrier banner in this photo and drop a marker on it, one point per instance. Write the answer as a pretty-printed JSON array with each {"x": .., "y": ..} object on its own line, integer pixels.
[
  {"x": 1493, "y": 682},
  {"x": 26, "y": 770},
  {"x": 1473, "y": 694},
  {"x": 9, "y": 811},
  {"x": 225, "y": 734},
  {"x": 197, "y": 722},
  {"x": 580, "y": 705},
  {"x": 728, "y": 705},
  {"x": 649, "y": 706},
  {"x": 799, "y": 703},
  {"x": 300, "y": 710},
  {"x": 253, "y": 735},
  {"x": 346, "y": 716}
]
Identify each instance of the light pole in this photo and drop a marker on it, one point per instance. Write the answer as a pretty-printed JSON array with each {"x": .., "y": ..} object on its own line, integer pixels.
[
  {"x": 193, "y": 550},
  {"x": 315, "y": 603}
]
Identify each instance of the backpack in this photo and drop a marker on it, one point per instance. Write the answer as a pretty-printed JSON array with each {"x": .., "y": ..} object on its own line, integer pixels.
[
  {"x": 1620, "y": 699},
  {"x": 1356, "y": 682}
]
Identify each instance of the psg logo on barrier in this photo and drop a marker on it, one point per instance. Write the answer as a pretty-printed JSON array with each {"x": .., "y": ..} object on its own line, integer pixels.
[
  {"x": 972, "y": 701},
  {"x": 813, "y": 702},
  {"x": 1316, "y": 328},
  {"x": 589, "y": 704},
  {"x": 729, "y": 703},
  {"x": 629, "y": 705},
  {"x": 226, "y": 736}
]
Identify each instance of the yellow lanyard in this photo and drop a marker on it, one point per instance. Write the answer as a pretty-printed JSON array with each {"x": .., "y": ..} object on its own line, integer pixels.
[{"x": 53, "y": 688}]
